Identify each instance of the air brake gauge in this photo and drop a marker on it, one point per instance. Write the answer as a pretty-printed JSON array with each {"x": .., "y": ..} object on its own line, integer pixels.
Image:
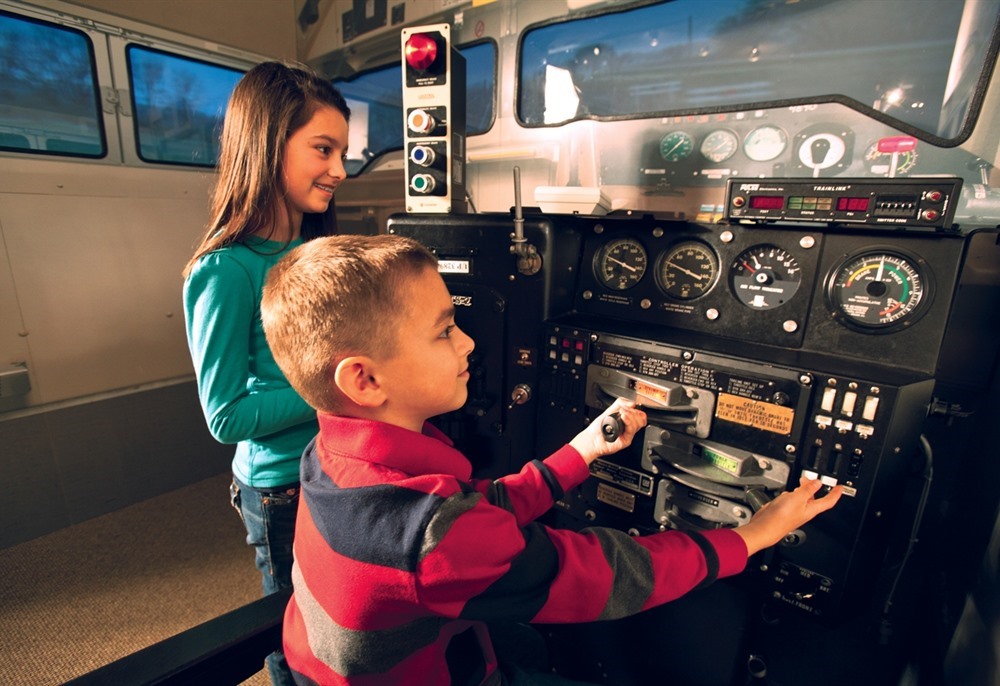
[
  {"x": 764, "y": 277},
  {"x": 620, "y": 264},
  {"x": 688, "y": 270},
  {"x": 720, "y": 145},
  {"x": 879, "y": 291}
]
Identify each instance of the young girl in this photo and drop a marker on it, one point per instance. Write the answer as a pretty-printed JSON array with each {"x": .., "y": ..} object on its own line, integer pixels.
[{"x": 282, "y": 157}]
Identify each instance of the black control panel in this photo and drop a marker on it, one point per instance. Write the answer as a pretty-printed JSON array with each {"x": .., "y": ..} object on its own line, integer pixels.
[{"x": 726, "y": 435}]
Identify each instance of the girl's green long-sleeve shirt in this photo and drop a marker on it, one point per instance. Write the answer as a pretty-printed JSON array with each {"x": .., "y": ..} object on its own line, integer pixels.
[{"x": 244, "y": 395}]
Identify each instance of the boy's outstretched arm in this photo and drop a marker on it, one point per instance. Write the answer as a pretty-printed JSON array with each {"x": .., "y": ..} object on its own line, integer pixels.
[
  {"x": 787, "y": 512},
  {"x": 591, "y": 442}
]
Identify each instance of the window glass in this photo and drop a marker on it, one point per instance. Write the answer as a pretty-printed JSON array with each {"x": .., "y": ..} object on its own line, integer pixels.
[
  {"x": 178, "y": 104},
  {"x": 49, "y": 100},
  {"x": 917, "y": 63},
  {"x": 376, "y": 101}
]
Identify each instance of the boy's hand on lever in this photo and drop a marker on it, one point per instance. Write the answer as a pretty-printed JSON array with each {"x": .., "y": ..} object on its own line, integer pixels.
[
  {"x": 787, "y": 512},
  {"x": 593, "y": 442}
]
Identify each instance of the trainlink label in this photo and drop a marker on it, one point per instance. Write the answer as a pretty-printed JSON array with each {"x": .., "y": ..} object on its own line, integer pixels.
[{"x": 759, "y": 415}]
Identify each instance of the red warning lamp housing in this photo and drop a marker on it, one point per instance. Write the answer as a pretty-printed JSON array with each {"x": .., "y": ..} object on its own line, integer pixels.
[{"x": 421, "y": 51}]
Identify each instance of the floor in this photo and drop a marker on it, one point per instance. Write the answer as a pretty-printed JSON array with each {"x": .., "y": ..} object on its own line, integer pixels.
[{"x": 89, "y": 594}]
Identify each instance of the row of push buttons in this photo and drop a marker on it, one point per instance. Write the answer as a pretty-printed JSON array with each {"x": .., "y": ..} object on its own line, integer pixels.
[
  {"x": 568, "y": 350},
  {"x": 849, "y": 403}
]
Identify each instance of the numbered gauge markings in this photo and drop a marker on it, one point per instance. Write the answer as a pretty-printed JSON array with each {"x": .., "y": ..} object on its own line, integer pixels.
[
  {"x": 764, "y": 277},
  {"x": 879, "y": 291},
  {"x": 620, "y": 264},
  {"x": 688, "y": 270}
]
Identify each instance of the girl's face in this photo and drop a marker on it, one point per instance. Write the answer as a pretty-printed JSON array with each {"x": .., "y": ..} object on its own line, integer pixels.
[{"x": 314, "y": 163}]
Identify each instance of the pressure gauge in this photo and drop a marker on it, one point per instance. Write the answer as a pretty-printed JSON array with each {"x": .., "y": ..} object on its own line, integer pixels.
[
  {"x": 719, "y": 145},
  {"x": 765, "y": 277},
  {"x": 620, "y": 264},
  {"x": 879, "y": 291},
  {"x": 765, "y": 143},
  {"x": 676, "y": 146},
  {"x": 687, "y": 270}
]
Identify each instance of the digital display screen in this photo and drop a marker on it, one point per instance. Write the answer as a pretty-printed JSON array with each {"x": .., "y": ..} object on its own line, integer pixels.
[
  {"x": 767, "y": 202},
  {"x": 852, "y": 204}
]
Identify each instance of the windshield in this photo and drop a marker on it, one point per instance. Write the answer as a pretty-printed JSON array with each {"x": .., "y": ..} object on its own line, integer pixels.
[{"x": 914, "y": 64}]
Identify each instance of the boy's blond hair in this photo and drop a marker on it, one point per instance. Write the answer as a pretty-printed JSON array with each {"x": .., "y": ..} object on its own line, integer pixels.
[{"x": 335, "y": 297}]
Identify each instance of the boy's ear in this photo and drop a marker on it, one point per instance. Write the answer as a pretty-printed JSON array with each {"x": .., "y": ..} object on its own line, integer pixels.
[{"x": 355, "y": 377}]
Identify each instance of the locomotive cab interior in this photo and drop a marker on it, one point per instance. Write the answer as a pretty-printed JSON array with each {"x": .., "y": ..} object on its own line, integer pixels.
[{"x": 773, "y": 225}]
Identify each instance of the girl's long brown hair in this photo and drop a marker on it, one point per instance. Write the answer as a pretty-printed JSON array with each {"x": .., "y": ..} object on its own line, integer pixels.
[{"x": 270, "y": 103}]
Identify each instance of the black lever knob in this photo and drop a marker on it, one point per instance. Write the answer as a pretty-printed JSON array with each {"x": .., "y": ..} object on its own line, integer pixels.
[{"x": 612, "y": 427}]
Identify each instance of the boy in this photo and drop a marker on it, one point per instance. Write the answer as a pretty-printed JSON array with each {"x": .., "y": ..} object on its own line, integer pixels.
[{"x": 400, "y": 558}]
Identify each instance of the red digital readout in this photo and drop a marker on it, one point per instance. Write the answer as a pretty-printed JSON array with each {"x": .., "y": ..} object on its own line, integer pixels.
[
  {"x": 767, "y": 202},
  {"x": 852, "y": 204}
]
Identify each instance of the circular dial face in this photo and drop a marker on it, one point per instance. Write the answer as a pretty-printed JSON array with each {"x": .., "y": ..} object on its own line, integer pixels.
[
  {"x": 620, "y": 264},
  {"x": 720, "y": 145},
  {"x": 676, "y": 146},
  {"x": 765, "y": 276},
  {"x": 765, "y": 143},
  {"x": 878, "y": 290},
  {"x": 688, "y": 270}
]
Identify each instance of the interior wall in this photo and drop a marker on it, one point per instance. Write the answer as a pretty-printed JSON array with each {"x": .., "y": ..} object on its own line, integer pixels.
[{"x": 268, "y": 27}]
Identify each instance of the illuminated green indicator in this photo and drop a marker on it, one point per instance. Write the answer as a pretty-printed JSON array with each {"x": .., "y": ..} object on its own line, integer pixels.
[{"x": 723, "y": 462}]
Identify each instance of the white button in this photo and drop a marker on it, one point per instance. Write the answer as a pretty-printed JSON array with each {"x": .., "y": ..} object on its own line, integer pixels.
[
  {"x": 850, "y": 400},
  {"x": 829, "y": 396},
  {"x": 828, "y": 481},
  {"x": 810, "y": 474},
  {"x": 870, "y": 408}
]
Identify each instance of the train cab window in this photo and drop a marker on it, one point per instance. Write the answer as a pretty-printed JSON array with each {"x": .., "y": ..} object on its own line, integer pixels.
[
  {"x": 49, "y": 98},
  {"x": 919, "y": 66},
  {"x": 376, "y": 101},
  {"x": 178, "y": 105}
]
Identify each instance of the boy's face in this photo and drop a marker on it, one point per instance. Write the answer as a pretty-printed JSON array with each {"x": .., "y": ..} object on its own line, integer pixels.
[{"x": 429, "y": 374}]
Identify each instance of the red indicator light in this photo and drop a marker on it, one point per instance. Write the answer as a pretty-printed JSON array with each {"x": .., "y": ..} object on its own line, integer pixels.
[
  {"x": 767, "y": 202},
  {"x": 897, "y": 144},
  {"x": 421, "y": 50},
  {"x": 852, "y": 204}
]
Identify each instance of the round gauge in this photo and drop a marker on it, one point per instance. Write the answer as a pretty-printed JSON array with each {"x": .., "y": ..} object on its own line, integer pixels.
[
  {"x": 720, "y": 145},
  {"x": 676, "y": 146},
  {"x": 879, "y": 291},
  {"x": 765, "y": 143},
  {"x": 888, "y": 163},
  {"x": 764, "y": 277},
  {"x": 620, "y": 264},
  {"x": 688, "y": 270}
]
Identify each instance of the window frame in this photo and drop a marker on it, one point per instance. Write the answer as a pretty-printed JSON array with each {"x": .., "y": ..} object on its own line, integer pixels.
[{"x": 100, "y": 69}]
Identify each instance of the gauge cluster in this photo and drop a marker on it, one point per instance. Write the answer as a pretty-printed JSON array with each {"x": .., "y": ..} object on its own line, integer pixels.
[
  {"x": 823, "y": 140},
  {"x": 804, "y": 287},
  {"x": 730, "y": 282}
]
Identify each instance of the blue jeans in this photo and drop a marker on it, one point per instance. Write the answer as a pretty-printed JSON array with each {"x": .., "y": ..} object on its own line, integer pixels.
[{"x": 269, "y": 518}]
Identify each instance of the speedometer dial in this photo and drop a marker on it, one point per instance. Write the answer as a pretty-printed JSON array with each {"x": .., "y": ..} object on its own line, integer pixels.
[
  {"x": 676, "y": 146},
  {"x": 879, "y": 291},
  {"x": 620, "y": 264}
]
